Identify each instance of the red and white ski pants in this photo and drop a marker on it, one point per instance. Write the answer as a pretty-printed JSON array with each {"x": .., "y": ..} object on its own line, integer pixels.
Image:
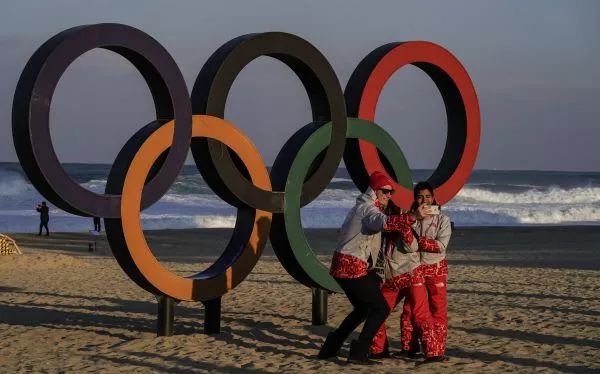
[
  {"x": 434, "y": 282},
  {"x": 394, "y": 291}
]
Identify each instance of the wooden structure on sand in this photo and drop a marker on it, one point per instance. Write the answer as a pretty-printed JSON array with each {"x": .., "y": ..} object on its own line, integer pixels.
[{"x": 8, "y": 246}]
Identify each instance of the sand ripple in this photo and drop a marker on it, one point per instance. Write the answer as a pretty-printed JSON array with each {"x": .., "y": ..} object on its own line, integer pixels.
[{"x": 83, "y": 314}]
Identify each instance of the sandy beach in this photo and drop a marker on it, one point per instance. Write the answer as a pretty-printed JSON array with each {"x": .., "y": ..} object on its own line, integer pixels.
[{"x": 520, "y": 300}]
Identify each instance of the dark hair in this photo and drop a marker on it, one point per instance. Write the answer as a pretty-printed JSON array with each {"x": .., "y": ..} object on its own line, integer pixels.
[
  {"x": 391, "y": 208},
  {"x": 420, "y": 186}
]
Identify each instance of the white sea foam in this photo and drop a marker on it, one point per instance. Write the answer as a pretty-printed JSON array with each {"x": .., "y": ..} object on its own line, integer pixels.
[
  {"x": 15, "y": 221},
  {"x": 199, "y": 200},
  {"x": 481, "y": 215},
  {"x": 13, "y": 184},
  {"x": 492, "y": 185},
  {"x": 95, "y": 185},
  {"x": 173, "y": 221},
  {"x": 190, "y": 204},
  {"x": 214, "y": 221},
  {"x": 539, "y": 196}
]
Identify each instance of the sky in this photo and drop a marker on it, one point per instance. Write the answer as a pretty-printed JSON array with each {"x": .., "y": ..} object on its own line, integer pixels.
[{"x": 535, "y": 67}]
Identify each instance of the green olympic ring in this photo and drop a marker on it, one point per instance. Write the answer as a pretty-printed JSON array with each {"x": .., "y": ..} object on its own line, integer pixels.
[{"x": 299, "y": 247}]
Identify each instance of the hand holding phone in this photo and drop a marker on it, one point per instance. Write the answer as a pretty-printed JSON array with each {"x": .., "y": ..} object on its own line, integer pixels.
[
  {"x": 422, "y": 211},
  {"x": 434, "y": 210}
]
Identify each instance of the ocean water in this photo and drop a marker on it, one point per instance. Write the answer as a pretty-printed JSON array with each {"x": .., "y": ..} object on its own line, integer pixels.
[{"x": 490, "y": 198}]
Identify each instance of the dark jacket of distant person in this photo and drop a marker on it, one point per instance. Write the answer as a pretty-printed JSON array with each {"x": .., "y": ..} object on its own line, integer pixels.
[{"x": 44, "y": 212}]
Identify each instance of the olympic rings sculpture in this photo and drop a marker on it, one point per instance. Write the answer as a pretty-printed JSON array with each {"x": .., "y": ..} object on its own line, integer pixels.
[{"x": 268, "y": 203}]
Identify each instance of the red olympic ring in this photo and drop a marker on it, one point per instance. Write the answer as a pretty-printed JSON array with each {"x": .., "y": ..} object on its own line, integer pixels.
[{"x": 423, "y": 53}]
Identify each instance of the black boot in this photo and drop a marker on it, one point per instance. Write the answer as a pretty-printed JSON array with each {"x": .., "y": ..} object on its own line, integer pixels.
[
  {"x": 377, "y": 356},
  {"x": 433, "y": 359},
  {"x": 412, "y": 354},
  {"x": 359, "y": 353},
  {"x": 331, "y": 347}
]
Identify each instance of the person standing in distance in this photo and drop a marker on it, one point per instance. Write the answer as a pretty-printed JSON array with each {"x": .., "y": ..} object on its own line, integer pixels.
[
  {"x": 44, "y": 217},
  {"x": 97, "y": 224}
]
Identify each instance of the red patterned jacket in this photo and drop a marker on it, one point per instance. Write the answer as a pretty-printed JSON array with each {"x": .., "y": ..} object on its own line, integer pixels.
[{"x": 359, "y": 241}]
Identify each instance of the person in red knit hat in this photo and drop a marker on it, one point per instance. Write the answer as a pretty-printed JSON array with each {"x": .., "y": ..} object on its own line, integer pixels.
[{"x": 353, "y": 264}]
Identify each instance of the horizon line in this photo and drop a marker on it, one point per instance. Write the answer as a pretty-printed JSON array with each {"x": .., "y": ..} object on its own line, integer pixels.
[{"x": 269, "y": 166}]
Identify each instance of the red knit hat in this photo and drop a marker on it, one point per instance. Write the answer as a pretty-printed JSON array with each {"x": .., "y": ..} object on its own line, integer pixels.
[{"x": 378, "y": 180}]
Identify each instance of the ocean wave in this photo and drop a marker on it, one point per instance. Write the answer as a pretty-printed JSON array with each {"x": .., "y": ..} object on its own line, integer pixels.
[
  {"x": 551, "y": 195},
  {"x": 523, "y": 215},
  {"x": 95, "y": 185},
  {"x": 13, "y": 184},
  {"x": 214, "y": 221},
  {"x": 21, "y": 212},
  {"x": 199, "y": 200},
  {"x": 11, "y": 221},
  {"x": 493, "y": 184},
  {"x": 191, "y": 204},
  {"x": 173, "y": 221},
  {"x": 335, "y": 198},
  {"x": 329, "y": 198}
]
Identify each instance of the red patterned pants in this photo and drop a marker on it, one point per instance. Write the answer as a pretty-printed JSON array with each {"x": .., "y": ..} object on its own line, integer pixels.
[
  {"x": 415, "y": 297},
  {"x": 434, "y": 284}
]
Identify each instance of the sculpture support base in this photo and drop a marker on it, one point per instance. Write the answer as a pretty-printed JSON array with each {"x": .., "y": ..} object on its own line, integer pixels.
[
  {"x": 212, "y": 316},
  {"x": 166, "y": 315},
  {"x": 319, "y": 306}
]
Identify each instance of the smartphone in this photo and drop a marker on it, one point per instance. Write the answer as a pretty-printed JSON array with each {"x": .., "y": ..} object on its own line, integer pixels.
[{"x": 434, "y": 209}]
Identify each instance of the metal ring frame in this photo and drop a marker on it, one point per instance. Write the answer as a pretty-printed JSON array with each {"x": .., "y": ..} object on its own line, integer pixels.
[{"x": 230, "y": 164}]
